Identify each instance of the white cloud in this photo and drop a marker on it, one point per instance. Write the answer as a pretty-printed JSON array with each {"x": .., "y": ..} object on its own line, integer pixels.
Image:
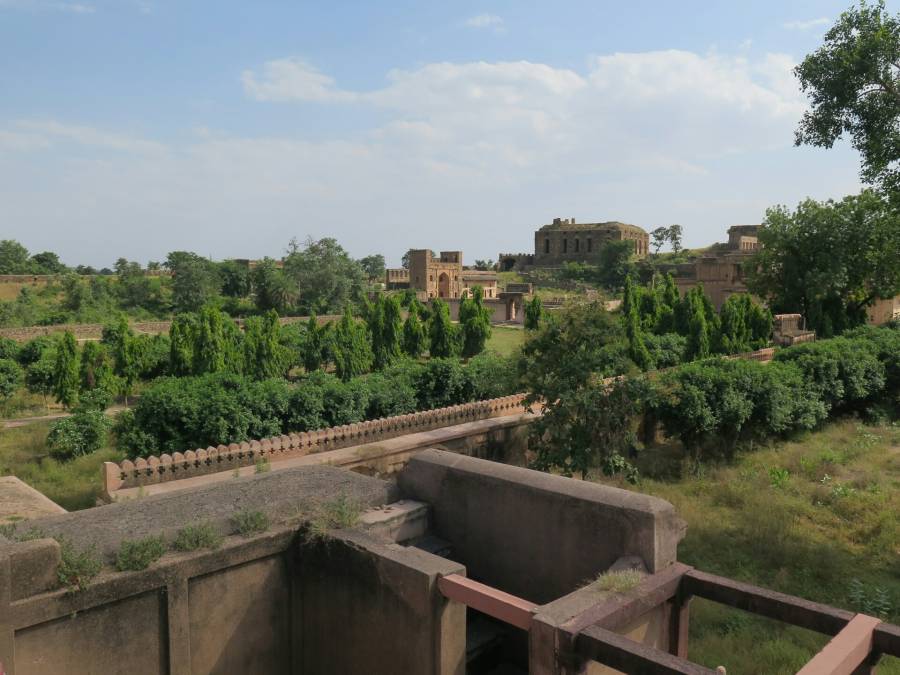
[
  {"x": 486, "y": 21},
  {"x": 456, "y": 155},
  {"x": 291, "y": 79},
  {"x": 806, "y": 25}
]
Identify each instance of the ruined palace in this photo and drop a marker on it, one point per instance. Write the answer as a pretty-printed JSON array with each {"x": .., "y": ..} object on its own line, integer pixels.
[
  {"x": 564, "y": 241},
  {"x": 440, "y": 277}
]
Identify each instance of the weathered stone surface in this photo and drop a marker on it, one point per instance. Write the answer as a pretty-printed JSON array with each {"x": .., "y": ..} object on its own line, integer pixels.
[{"x": 19, "y": 501}]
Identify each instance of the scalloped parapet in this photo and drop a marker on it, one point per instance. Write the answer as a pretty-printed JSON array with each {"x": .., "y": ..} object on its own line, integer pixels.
[{"x": 191, "y": 463}]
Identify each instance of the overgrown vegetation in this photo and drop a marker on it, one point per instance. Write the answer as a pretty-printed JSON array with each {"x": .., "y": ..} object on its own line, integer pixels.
[
  {"x": 336, "y": 514},
  {"x": 77, "y": 567},
  {"x": 196, "y": 537},
  {"x": 249, "y": 522},
  {"x": 828, "y": 533},
  {"x": 138, "y": 554}
]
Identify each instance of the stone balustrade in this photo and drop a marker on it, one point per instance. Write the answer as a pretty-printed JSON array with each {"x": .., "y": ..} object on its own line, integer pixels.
[{"x": 192, "y": 463}]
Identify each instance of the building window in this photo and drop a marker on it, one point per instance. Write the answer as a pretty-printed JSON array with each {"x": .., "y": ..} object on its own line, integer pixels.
[
  {"x": 577, "y": 245},
  {"x": 565, "y": 245},
  {"x": 590, "y": 247},
  {"x": 547, "y": 245}
]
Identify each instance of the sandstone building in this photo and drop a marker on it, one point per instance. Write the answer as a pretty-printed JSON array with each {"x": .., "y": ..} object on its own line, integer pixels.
[
  {"x": 564, "y": 241},
  {"x": 440, "y": 277}
]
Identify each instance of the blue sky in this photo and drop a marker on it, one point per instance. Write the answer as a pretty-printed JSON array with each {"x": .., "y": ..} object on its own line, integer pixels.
[{"x": 135, "y": 127}]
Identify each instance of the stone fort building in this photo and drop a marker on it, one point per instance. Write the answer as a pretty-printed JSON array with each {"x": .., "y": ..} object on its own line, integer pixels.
[
  {"x": 564, "y": 241},
  {"x": 440, "y": 277}
]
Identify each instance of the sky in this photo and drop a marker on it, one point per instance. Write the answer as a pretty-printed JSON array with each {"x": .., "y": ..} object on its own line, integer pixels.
[{"x": 130, "y": 128}]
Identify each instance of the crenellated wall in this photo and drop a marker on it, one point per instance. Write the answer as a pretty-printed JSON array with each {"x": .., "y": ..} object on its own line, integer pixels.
[{"x": 223, "y": 458}]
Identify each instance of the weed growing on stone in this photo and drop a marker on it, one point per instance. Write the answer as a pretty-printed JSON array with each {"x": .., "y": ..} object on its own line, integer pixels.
[
  {"x": 194, "y": 537},
  {"x": 619, "y": 581},
  {"x": 77, "y": 567},
  {"x": 139, "y": 554},
  {"x": 337, "y": 514},
  {"x": 263, "y": 465},
  {"x": 248, "y": 523}
]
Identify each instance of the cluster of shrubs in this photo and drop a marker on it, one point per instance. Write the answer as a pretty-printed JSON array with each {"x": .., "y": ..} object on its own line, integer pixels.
[
  {"x": 178, "y": 414},
  {"x": 713, "y": 405}
]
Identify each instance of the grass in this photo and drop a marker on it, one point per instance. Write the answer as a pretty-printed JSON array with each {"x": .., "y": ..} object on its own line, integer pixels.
[
  {"x": 247, "y": 523},
  {"x": 337, "y": 514},
  {"x": 505, "y": 341},
  {"x": 73, "y": 485},
  {"x": 618, "y": 581},
  {"x": 195, "y": 537},
  {"x": 138, "y": 554},
  {"x": 77, "y": 567},
  {"x": 817, "y": 517}
]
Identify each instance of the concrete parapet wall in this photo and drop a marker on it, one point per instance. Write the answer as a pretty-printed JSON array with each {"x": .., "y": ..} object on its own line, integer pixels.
[
  {"x": 536, "y": 535},
  {"x": 193, "y": 463}
]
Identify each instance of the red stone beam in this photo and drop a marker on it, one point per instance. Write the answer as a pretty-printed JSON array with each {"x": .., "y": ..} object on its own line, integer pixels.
[
  {"x": 846, "y": 651},
  {"x": 508, "y": 608}
]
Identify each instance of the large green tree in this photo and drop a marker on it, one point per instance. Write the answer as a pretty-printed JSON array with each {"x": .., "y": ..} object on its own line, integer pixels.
[
  {"x": 326, "y": 276},
  {"x": 272, "y": 289},
  {"x": 263, "y": 353},
  {"x": 828, "y": 260},
  {"x": 853, "y": 84},
  {"x": 195, "y": 280},
  {"x": 351, "y": 348},
  {"x": 13, "y": 258},
  {"x": 442, "y": 334}
]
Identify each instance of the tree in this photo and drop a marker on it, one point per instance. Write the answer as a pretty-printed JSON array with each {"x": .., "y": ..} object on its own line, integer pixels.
[
  {"x": 125, "y": 350},
  {"x": 699, "y": 343},
  {"x": 415, "y": 337},
  {"x": 615, "y": 262},
  {"x": 673, "y": 234},
  {"x": 373, "y": 266},
  {"x": 96, "y": 371},
  {"x": 263, "y": 356},
  {"x": 195, "y": 280},
  {"x": 326, "y": 276},
  {"x": 484, "y": 265},
  {"x": 272, "y": 289},
  {"x": 475, "y": 320},
  {"x": 10, "y": 378},
  {"x": 637, "y": 349},
  {"x": 39, "y": 373},
  {"x": 385, "y": 327},
  {"x": 315, "y": 345},
  {"x": 828, "y": 260},
  {"x": 65, "y": 371},
  {"x": 47, "y": 262},
  {"x": 534, "y": 311},
  {"x": 13, "y": 258},
  {"x": 853, "y": 84},
  {"x": 210, "y": 343},
  {"x": 659, "y": 236},
  {"x": 442, "y": 333},
  {"x": 235, "y": 279},
  {"x": 351, "y": 348},
  {"x": 182, "y": 338},
  {"x": 81, "y": 434}
]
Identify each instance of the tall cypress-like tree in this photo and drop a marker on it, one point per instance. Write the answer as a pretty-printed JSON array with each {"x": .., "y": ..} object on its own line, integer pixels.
[
  {"x": 126, "y": 353},
  {"x": 441, "y": 331},
  {"x": 261, "y": 346},
  {"x": 392, "y": 328},
  {"x": 96, "y": 370},
  {"x": 698, "y": 344},
  {"x": 534, "y": 312},
  {"x": 475, "y": 320},
  {"x": 65, "y": 371},
  {"x": 415, "y": 336},
  {"x": 315, "y": 351},
  {"x": 351, "y": 348},
  {"x": 210, "y": 345},
  {"x": 182, "y": 338}
]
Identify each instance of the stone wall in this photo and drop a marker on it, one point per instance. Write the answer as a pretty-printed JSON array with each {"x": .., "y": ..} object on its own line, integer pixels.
[
  {"x": 256, "y": 605},
  {"x": 94, "y": 331},
  {"x": 226, "y": 458}
]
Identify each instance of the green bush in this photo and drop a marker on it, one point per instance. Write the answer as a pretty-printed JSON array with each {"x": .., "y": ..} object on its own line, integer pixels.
[
  {"x": 34, "y": 349},
  {"x": 444, "y": 382},
  {"x": 9, "y": 349},
  {"x": 195, "y": 537},
  {"x": 77, "y": 567},
  {"x": 81, "y": 434},
  {"x": 138, "y": 554},
  {"x": 247, "y": 523},
  {"x": 492, "y": 376},
  {"x": 10, "y": 378}
]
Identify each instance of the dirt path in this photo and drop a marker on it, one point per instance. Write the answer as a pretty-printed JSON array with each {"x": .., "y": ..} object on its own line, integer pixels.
[{"x": 25, "y": 421}]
